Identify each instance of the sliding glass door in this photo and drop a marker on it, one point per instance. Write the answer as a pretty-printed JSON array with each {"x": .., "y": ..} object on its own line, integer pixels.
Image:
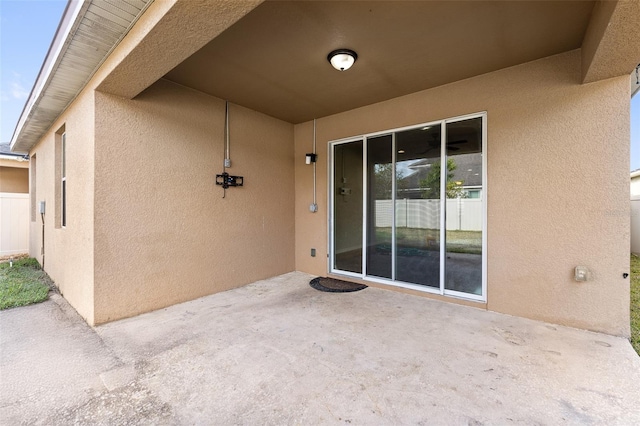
[
  {"x": 408, "y": 207},
  {"x": 464, "y": 208},
  {"x": 347, "y": 207},
  {"x": 379, "y": 206},
  {"x": 418, "y": 206}
]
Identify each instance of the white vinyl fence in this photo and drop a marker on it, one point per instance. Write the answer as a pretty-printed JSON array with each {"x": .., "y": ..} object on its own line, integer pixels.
[
  {"x": 14, "y": 223},
  {"x": 635, "y": 224},
  {"x": 463, "y": 214}
]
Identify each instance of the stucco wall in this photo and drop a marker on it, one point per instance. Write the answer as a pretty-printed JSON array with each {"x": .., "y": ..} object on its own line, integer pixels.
[
  {"x": 68, "y": 251},
  {"x": 14, "y": 180},
  {"x": 164, "y": 234},
  {"x": 558, "y": 155}
]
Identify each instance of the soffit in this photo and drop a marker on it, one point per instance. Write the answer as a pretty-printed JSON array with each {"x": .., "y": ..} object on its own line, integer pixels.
[
  {"x": 87, "y": 34},
  {"x": 273, "y": 60}
]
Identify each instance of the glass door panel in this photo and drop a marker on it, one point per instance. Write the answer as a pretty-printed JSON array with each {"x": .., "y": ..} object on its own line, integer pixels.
[
  {"x": 347, "y": 206},
  {"x": 379, "y": 205},
  {"x": 464, "y": 208},
  {"x": 403, "y": 213},
  {"x": 417, "y": 205}
]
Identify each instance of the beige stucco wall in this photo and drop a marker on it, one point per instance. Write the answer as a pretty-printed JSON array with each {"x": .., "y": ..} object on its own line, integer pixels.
[
  {"x": 13, "y": 179},
  {"x": 68, "y": 251},
  {"x": 69, "y": 254},
  {"x": 163, "y": 232},
  {"x": 557, "y": 186}
]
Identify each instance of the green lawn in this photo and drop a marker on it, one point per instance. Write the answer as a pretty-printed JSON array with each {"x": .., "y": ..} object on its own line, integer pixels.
[
  {"x": 635, "y": 302},
  {"x": 23, "y": 284},
  {"x": 429, "y": 239}
]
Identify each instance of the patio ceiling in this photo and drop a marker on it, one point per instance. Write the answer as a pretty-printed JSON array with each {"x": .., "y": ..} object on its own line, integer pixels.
[{"x": 274, "y": 59}]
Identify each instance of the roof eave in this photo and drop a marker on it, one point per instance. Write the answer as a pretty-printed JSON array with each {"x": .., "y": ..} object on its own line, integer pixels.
[
  {"x": 52, "y": 94},
  {"x": 68, "y": 21}
]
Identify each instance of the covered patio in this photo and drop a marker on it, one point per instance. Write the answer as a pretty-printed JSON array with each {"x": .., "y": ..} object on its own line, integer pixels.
[{"x": 279, "y": 352}]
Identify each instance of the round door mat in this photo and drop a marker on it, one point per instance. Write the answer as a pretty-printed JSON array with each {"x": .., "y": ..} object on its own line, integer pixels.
[{"x": 332, "y": 285}]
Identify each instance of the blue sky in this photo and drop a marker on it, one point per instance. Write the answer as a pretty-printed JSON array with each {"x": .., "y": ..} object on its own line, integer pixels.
[{"x": 27, "y": 28}]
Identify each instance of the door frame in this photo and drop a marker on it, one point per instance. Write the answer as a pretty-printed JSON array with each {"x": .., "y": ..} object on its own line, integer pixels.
[{"x": 443, "y": 158}]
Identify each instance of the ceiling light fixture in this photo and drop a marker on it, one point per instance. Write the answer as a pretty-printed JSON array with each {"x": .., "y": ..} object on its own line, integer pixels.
[{"x": 342, "y": 59}]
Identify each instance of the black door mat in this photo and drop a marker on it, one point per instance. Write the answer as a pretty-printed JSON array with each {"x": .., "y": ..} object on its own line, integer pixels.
[{"x": 332, "y": 285}]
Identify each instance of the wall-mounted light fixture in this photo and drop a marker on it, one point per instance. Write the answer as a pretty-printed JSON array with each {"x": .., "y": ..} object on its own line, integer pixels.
[
  {"x": 342, "y": 59},
  {"x": 310, "y": 158}
]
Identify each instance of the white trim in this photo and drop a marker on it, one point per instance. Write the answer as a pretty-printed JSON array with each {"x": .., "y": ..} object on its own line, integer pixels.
[
  {"x": 63, "y": 180},
  {"x": 330, "y": 195},
  {"x": 443, "y": 205},
  {"x": 331, "y": 249},
  {"x": 402, "y": 284},
  {"x": 347, "y": 274},
  {"x": 365, "y": 190},
  {"x": 484, "y": 199},
  {"x": 394, "y": 224},
  {"x": 386, "y": 132},
  {"x": 464, "y": 296},
  {"x": 18, "y": 158}
]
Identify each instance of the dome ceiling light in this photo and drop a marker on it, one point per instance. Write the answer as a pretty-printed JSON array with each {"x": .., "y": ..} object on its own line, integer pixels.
[{"x": 342, "y": 59}]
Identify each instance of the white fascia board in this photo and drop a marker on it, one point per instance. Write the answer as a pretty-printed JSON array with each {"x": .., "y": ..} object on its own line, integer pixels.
[
  {"x": 63, "y": 33},
  {"x": 18, "y": 158}
]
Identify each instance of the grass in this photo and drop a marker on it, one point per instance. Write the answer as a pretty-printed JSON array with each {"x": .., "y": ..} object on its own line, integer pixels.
[
  {"x": 429, "y": 239},
  {"x": 23, "y": 284},
  {"x": 635, "y": 302}
]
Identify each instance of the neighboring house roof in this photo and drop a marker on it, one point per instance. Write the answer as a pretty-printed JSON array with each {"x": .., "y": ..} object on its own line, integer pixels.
[
  {"x": 468, "y": 171},
  {"x": 635, "y": 173},
  {"x": 88, "y": 32},
  {"x": 6, "y": 154}
]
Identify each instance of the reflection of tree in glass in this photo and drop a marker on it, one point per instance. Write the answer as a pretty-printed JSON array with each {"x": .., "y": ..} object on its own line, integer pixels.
[
  {"x": 430, "y": 185},
  {"x": 383, "y": 173}
]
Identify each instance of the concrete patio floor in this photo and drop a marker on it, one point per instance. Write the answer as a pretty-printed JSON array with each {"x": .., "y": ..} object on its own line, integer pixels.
[{"x": 279, "y": 352}]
